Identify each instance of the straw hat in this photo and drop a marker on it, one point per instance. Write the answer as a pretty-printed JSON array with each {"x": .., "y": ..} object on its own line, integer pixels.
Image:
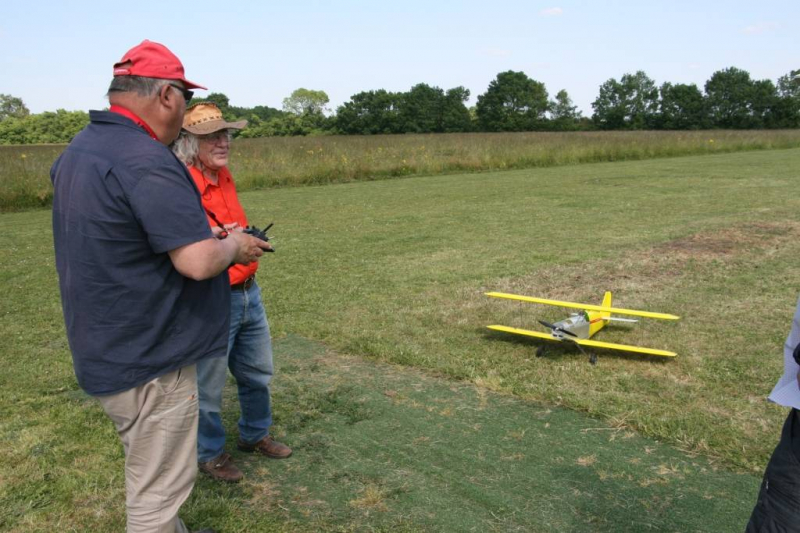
[{"x": 205, "y": 118}]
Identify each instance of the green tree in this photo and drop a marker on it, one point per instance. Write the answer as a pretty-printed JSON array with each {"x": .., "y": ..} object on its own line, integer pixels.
[
  {"x": 219, "y": 99},
  {"x": 513, "y": 102},
  {"x": 643, "y": 99},
  {"x": 12, "y": 107},
  {"x": 736, "y": 101},
  {"x": 306, "y": 101},
  {"x": 787, "y": 106},
  {"x": 259, "y": 112},
  {"x": 763, "y": 105},
  {"x": 287, "y": 124},
  {"x": 682, "y": 107},
  {"x": 420, "y": 110},
  {"x": 43, "y": 128},
  {"x": 609, "y": 107},
  {"x": 369, "y": 112},
  {"x": 631, "y": 103},
  {"x": 789, "y": 85},
  {"x": 455, "y": 115},
  {"x": 728, "y": 94},
  {"x": 13, "y": 131},
  {"x": 565, "y": 115}
]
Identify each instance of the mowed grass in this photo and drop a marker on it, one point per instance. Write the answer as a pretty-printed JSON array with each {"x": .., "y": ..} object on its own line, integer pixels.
[
  {"x": 394, "y": 272},
  {"x": 292, "y": 161}
]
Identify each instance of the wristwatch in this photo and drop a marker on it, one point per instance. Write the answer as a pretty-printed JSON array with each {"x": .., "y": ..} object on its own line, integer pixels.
[{"x": 796, "y": 354}]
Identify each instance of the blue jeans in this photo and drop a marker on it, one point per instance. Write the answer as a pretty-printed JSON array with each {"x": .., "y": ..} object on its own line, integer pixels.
[{"x": 250, "y": 361}]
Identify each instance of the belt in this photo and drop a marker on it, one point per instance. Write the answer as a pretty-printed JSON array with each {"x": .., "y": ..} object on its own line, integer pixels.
[{"x": 243, "y": 286}]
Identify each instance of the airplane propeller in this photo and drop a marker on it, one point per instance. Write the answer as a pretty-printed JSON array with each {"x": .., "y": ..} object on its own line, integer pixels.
[{"x": 556, "y": 328}]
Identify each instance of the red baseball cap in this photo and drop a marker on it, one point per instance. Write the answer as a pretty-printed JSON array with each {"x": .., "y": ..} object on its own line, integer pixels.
[{"x": 152, "y": 60}]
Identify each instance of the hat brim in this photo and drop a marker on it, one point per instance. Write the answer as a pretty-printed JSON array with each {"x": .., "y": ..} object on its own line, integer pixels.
[
  {"x": 215, "y": 125},
  {"x": 192, "y": 85}
]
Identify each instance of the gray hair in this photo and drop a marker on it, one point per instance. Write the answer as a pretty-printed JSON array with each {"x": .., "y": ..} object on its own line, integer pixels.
[
  {"x": 136, "y": 84},
  {"x": 186, "y": 148}
]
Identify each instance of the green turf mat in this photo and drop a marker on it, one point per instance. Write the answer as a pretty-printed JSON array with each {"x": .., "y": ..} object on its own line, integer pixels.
[{"x": 379, "y": 447}]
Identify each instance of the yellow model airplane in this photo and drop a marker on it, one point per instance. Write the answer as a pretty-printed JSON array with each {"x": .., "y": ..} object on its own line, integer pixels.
[{"x": 580, "y": 327}]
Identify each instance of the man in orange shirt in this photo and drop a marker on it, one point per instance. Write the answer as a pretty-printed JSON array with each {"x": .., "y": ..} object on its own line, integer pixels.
[{"x": 204, "y": 146}]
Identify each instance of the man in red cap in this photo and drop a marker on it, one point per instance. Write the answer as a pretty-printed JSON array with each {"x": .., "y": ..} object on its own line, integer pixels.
[{"x": 143, "y": 279}]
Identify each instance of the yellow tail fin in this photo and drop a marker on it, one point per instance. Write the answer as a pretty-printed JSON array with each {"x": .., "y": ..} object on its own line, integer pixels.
[
  {"x": 607, "y": 299},
  {"x": 598, "y": 319}
]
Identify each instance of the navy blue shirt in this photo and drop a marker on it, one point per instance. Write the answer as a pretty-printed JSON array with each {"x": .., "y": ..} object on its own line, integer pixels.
[{"x": 121, "y": 201}]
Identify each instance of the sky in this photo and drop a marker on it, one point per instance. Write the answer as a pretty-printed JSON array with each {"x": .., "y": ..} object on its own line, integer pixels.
[{"x": 59, "y": 54}]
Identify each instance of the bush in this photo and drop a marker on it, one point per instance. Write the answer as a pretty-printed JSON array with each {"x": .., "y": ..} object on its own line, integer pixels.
[{"x": 43, "y": 128}]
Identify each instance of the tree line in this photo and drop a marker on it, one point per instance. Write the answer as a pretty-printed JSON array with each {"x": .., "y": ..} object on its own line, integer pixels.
[
  {"x": 730, "y": 99},
  {"x": 19, "y": 126}
]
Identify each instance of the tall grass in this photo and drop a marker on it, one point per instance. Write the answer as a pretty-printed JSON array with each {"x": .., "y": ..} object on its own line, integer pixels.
[
  {"x": 259, "y": 163},
  {"x": 292, "y": 161},
  {"x": 25, "y": 175}
]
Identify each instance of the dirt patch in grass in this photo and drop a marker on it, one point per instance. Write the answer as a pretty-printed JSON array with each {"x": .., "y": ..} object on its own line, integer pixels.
[
  {"x": 265, "y": 495},
  {"x": 746, "y": 238},
  {"x": 371, "y": 498},
  {"x": 644, "y": 274}
]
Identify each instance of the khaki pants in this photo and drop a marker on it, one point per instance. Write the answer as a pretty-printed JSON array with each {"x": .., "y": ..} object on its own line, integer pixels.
[{"x": 157, "y": 423}]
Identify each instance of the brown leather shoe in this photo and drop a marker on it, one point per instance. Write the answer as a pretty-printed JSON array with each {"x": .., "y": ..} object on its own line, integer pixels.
[
  {"x": 267, "y": 446},
  {"x": 222, "y": 469}
]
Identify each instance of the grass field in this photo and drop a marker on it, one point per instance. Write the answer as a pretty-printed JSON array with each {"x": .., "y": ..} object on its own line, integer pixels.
[
  {"x": 291, "y": 161},
  {"x": 393, "y": 272}
]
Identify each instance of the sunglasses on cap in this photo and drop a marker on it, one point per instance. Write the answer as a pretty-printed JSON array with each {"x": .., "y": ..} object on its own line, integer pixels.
[{"x": 187, "y": 94}]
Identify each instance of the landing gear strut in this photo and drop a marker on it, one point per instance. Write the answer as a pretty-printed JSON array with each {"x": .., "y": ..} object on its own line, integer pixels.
[{"x": 592, "y": 356}]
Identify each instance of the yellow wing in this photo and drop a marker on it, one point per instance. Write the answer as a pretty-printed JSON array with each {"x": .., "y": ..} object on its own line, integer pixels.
[
  {"x": 585, "y": 342},
  {"x": 588, "y": 307},
  {"x": 525, "y": 332},
  {"x": 625, "y": 347}
]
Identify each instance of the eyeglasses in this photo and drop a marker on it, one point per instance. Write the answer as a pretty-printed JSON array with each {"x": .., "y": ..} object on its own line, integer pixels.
[
  {"x": 216, "y": 137},
  {"x": 187, "y": 94}
]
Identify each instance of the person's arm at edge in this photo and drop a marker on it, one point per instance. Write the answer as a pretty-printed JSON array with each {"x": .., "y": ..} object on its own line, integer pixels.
[{"x": 210, "y": 257}]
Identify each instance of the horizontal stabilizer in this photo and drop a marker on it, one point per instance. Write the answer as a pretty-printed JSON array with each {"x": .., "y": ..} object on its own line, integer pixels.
[{"x": 588, "y": 307}]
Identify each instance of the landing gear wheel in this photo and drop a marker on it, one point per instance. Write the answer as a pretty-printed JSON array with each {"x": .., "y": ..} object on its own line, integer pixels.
[
  {"x": 593, "y": 358},
  {"x": 540, "y": 351}
]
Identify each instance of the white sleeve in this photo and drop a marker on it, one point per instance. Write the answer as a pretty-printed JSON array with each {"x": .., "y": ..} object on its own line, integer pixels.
[{"x": 787, "y": 392}]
